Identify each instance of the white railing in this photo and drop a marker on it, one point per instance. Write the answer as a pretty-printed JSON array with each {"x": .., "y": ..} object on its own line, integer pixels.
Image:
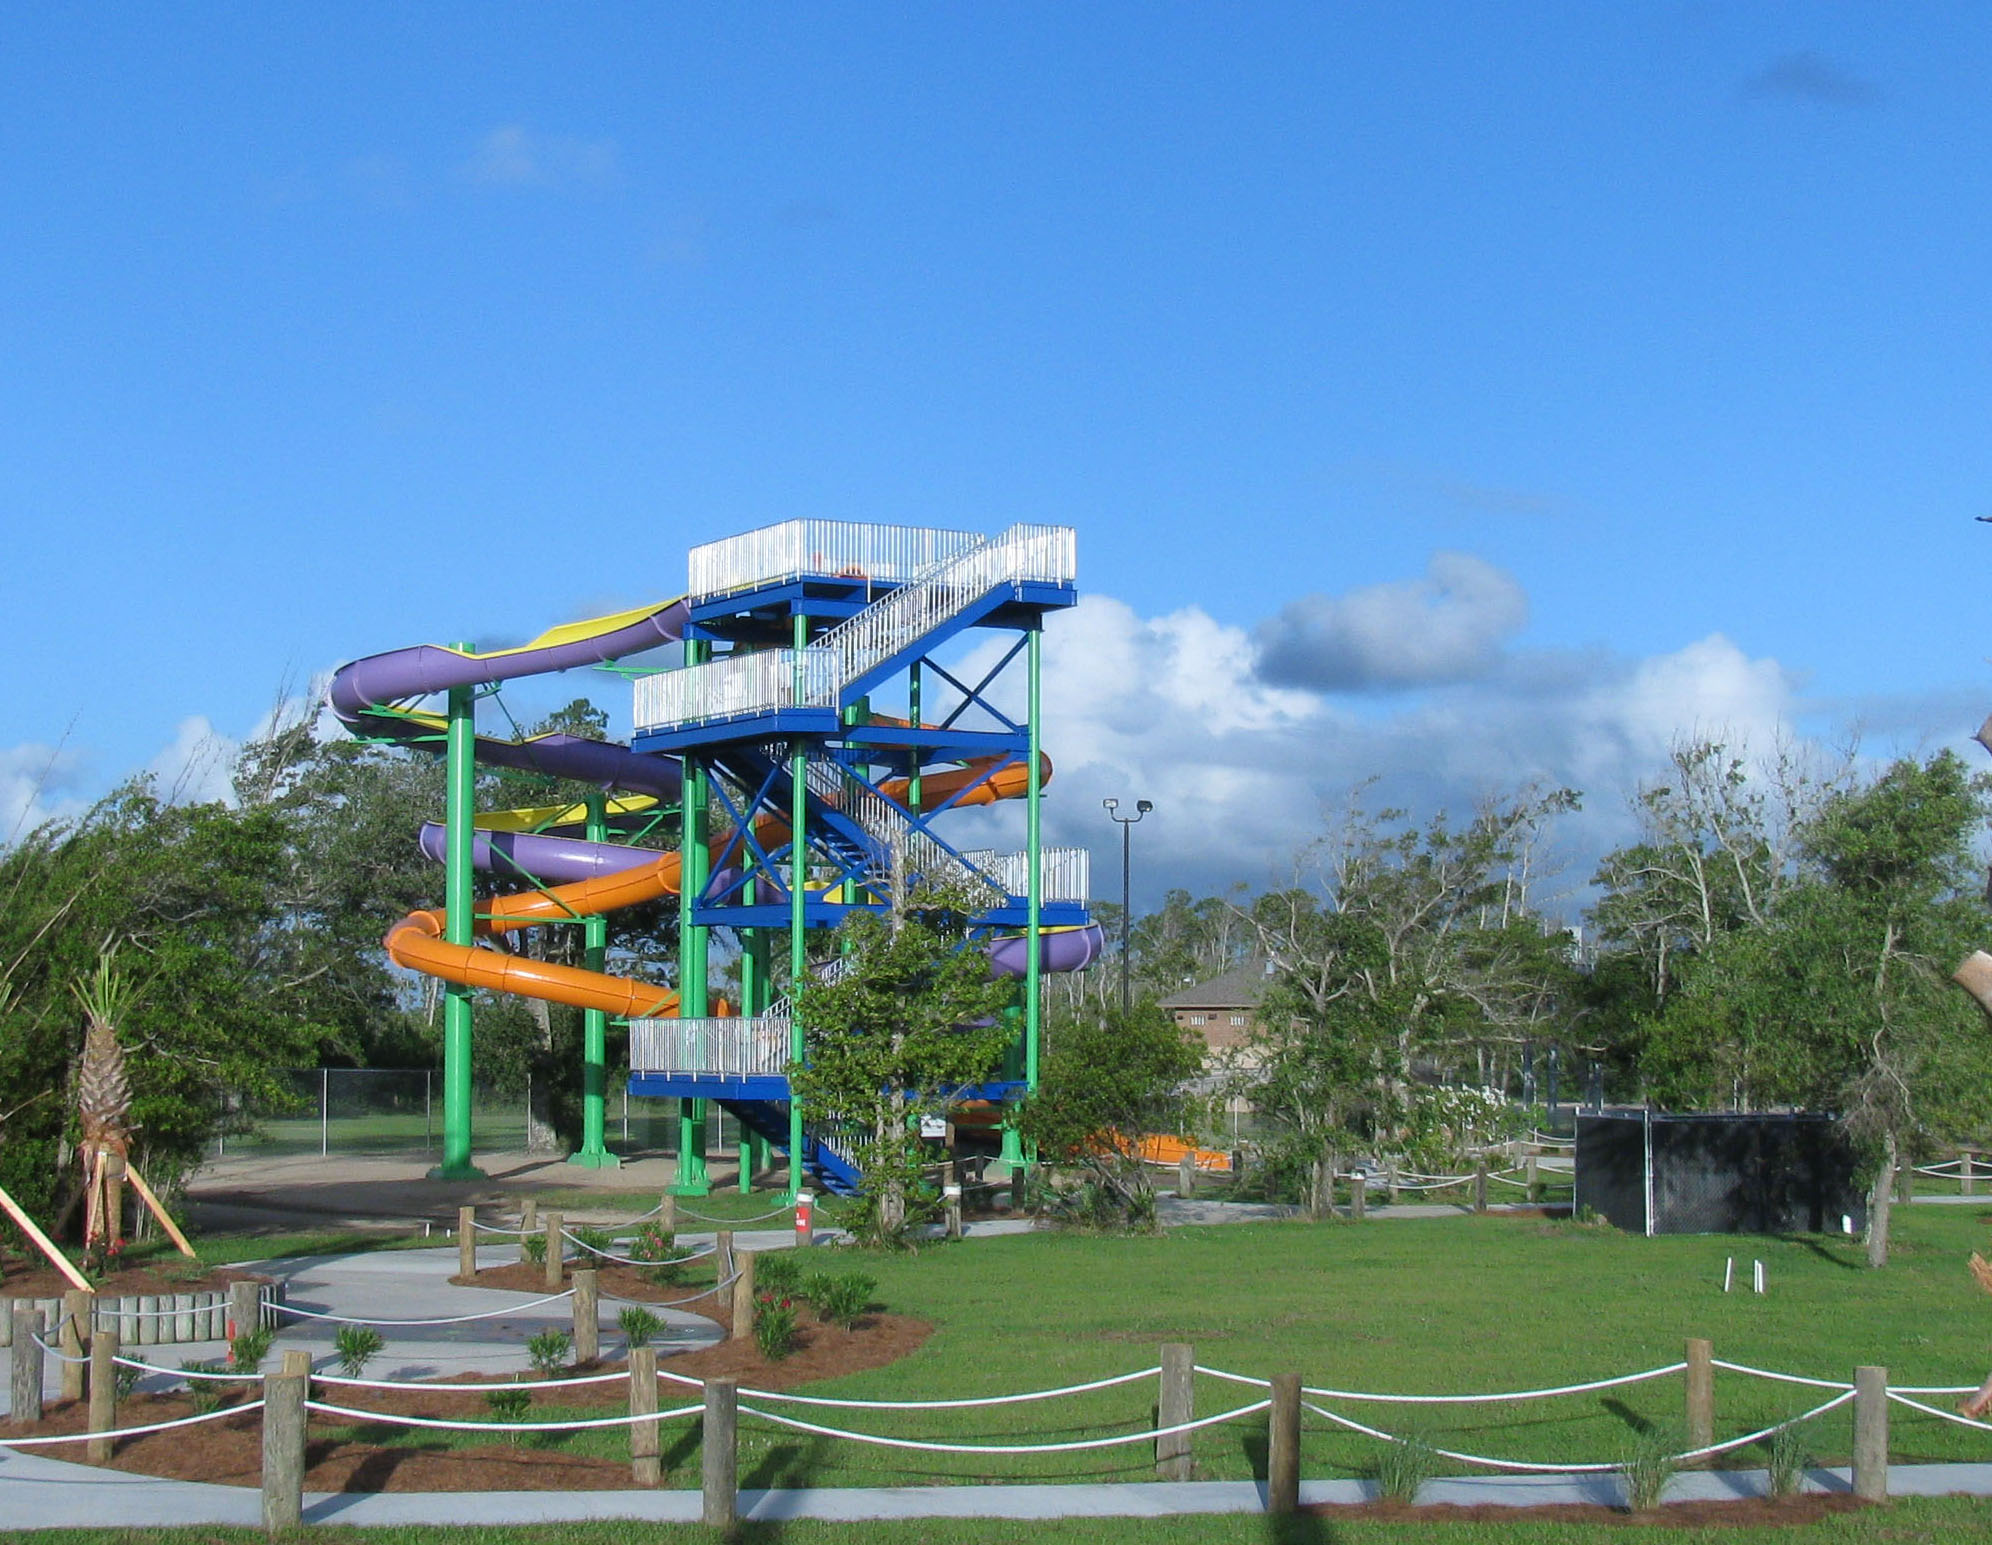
[
  {"x": 822, "y": 976},
  {"x": 738, "y": 684},
  {"x": 733, "y": 1048},
  {"x": 770, "y": 679},
  {"x": 1066, "y": 873},
  {"x": 845, "y": 549},
  {"x": 888, "y": 825}
]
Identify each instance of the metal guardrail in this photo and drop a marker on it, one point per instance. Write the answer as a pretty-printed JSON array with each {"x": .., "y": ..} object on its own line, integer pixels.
[
  {"x": 735, "y": 1048},
  {"x": 1067, "y": 873},
  {"x": 766, "y": 680},
  {"x": 845, "y": 549}
]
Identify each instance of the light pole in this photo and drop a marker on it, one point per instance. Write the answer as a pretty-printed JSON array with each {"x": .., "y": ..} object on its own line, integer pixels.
[{"x": 1141, "y": 808}]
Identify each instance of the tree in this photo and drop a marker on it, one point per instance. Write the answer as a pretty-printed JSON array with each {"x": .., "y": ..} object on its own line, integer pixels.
[
  {"x": 1107, "y": 1081},
  {"x": 1838, "y": 998},
  {"x": 1414, "y": 949},
  {"x": 914, "y": 1020}
]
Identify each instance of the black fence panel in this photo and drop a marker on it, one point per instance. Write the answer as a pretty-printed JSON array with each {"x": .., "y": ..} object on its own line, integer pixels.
[{"x": 1740, "y": 1174}]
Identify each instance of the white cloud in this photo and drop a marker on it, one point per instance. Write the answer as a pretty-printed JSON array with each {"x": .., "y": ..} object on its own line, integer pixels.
[
  {"x": 38, "y": 784},
  {"x": 1242, "y": 772},
  {"x": 1448, "y": 626},
  {"x": 514, "y": 156},
  {"x": 195, "y": 768}
]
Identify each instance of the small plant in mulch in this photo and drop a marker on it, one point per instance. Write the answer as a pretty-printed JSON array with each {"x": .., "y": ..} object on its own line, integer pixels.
[
  {"x": 840, "y": 1299},
  {"x": 1401, "y": 1469},
  {"x": 534, "y": 1246},
  {"x": 657, "y": 1248},
  {"x": 356, "y": 1346},
  {"x": 549, "y": 1351},
  {"x": 1788, "y": 1460},
  {"x": 1648, "y": 1466},
  {"x": 509, "y": 1404},
  {"x": 639, "y": 1326},
  {"x": 206, "y": 1394},
  {"x": 595, "y": 1242},
  {"x": 249, "y": 1347},
  {"x": 774, "y": 1325},
  {"x": 127, "y": 1380}
]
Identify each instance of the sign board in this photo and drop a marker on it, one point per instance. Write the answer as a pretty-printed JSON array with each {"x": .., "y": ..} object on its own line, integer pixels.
[{"x": 934, "y": 1126}]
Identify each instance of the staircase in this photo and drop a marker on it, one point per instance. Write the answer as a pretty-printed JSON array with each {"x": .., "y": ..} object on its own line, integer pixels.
[
  {"x": 828, "y": 1160},
  {"x": 839, "y": 662}
]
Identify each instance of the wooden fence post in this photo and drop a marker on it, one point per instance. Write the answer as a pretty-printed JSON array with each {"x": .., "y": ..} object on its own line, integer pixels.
[
  {"x": 1480, "y": 1182},
  {"x": 743, "y": 1295},
  {"x": 719, "y": 1454},
  {"x": 30, "y": 1330},
  {"x": 645, "y": 1467},
  {"x": 1534, "y": 1179},
  {"x": 245, "y": 1308},
  {"x": 1700, "y": 1395},
  {"x": 1174, "y": 1405},
  {"x": 1359, "y": 1196},
  {"x": 1964, "y": 1173},
  {"x": 528, "y": 1217},
  {"x": 669, "y": 1216},
  {"x": 951, "y": 1202},
  {"x": 722, "y": 1255},
  {"x": 587, "y": 1314},
  {"x": 1871, "y": 1433},
  {"x": 1283, "y": 1445},
  {"x": 76, "y": 1317},
  {"x": 556, "y": 1250},
  {"x": 103, "y": 1394},
  {"x": 283, "y": 1442},
  {"x": 1390, "y": 1175},
  {"x": 1186, "y": 1176},
  {"x": 467, "y": 1243}
]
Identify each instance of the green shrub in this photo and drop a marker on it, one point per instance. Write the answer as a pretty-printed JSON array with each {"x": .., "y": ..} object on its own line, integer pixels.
[
  {"x": 250, "y": 1347},
  {"x": 639, "y": 1326},
  {"x": 774, "y": 1326},
  {"x": 534, "y": 1246},
  {"x": 509, "y": 1404},
  {"x": 356, "y": 1346},
  {"x": 840, "y": 1300},
  {"x": 549, "y": 1351},
  {"x": 780, "y": 1270},
  {"x": 595, "y": 1243},
  {"x": 127, "y": 1381},
  {"x": 1401, "y": 1469},
  {"x": 1648, "y": 1466},
  {"x": 205, "y": 1393},
  {"x": 657, "y": 1247},
  {"x": 1788, "y": 1460}
]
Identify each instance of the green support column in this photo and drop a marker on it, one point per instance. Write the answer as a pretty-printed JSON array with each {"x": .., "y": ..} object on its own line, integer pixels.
[
  {"x": 594, "y": 1152},
  {"x": 913, "y": 790},
  {"x": 693, "y": 861},
  {"x": 1013, "y": 1156},
  {"x": 798, "y": 879},
  {"x": 459, "y": 927}
]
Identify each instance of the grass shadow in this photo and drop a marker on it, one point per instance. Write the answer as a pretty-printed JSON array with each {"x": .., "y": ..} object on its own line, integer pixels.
[
  {"x": 1817, "y": 1246},
  {"x": 1643, "y": 1425}
]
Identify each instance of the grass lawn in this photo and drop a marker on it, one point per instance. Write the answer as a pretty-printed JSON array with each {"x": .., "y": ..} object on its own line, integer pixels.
[
  {"x": 1438, "y": 1306},
  {"x": 1952, "y": 1521}
]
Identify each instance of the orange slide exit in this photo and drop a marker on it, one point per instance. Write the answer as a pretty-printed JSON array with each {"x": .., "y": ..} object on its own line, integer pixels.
[{"x": 417, "y": 941}]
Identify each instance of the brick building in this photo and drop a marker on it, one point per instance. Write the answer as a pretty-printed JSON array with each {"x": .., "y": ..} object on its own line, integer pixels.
[{"x": 1221, "y": 1010}]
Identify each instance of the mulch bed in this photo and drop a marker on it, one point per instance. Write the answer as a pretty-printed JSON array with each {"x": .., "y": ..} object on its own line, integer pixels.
[
  {"x": 44, "y": 1281},
  {"x": 1752, "y": 1512},
  {"x": 229, "y": 1452}
]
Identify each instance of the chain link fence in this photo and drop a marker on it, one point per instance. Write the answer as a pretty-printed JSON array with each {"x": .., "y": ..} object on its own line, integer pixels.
[{"x": 399, "y": 1112}]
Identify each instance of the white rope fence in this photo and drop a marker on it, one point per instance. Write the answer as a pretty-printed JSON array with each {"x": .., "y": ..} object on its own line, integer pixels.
[
  {"x": 579, "y": 1424},
  {"x": 453, "y": 1319},
  {"x": 1615, "y": 1382},
  {"x": 924, "y": 1446}
]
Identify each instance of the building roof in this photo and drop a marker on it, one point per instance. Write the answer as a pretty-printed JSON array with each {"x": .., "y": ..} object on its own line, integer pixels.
[{"x": 1239, "y": 988}]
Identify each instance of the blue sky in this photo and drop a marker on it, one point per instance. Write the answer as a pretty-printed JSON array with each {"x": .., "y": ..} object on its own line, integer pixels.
[{"x": 1457, "y": 393}]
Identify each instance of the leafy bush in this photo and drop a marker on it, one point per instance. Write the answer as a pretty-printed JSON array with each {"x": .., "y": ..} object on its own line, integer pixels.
[
  {"x": 780, "y": 1270},
  {"x": 657, "y": 1247},
  {"x": 639, "y": 1325},
  {"x": 774, "y": 1326},
  {"x": 840, "y": 1300},
  {"x": 250, "y": 1347},
  {"x": 356, "y": 1346},
  {"x": 509, "y": 1404},
  {"x": 595, "y": 1243},
  {"x": 534, "y": 1246},
  {"x": 549, "y": 1351},
  {"x": 126, "y": 1381}
]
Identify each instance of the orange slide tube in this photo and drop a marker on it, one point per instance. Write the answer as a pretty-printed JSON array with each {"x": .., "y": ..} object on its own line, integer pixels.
[{"x": 417, "y": 941}]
